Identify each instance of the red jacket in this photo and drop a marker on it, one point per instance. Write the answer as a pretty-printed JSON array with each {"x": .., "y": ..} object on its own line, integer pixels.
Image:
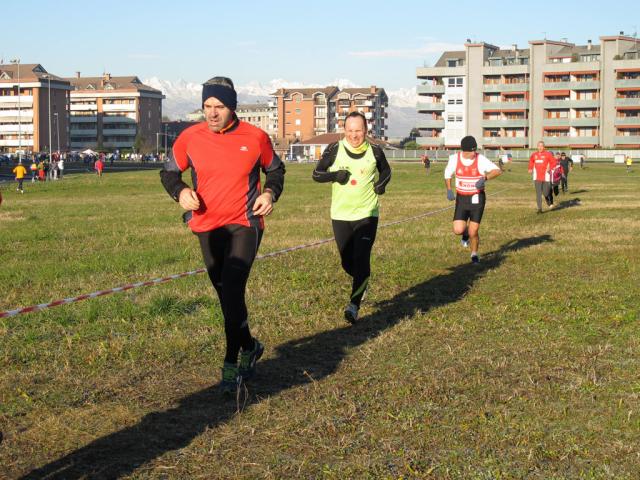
[{"x": 541, "y": 163}]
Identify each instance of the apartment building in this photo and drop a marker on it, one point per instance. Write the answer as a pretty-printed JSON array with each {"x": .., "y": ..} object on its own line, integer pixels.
[
  {"x": 578, "y": 96},
  {"x": 305, "y": 112},
  {"x": 111, "y": 112},
  {"x": 372, "y": 102},
  {"x": 33, "y": 109},
  {"x": 261, "y": 115}
]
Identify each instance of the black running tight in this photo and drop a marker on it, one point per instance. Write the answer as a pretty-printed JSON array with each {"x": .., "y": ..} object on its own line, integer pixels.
[
  {"x": 355, "y": 241},
  {"x": 228, "y": 253}
]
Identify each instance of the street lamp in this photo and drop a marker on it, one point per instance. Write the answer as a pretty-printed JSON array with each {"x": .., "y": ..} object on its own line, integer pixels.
[
  {"x": 55, "y": 114},
  {"x": 16, "y": 61},
  {"x": 48, "y": 77}
]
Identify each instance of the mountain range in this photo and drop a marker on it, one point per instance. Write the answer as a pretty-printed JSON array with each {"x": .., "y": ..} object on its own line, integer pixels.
[{"x": 183, "y": 97}]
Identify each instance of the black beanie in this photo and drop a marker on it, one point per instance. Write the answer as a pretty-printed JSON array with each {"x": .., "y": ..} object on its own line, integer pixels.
[
  {"x": 468, "y": 144},
  {"x": 222, "y": 89}
]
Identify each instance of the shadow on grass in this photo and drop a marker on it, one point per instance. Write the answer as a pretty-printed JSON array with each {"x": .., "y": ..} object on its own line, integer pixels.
[
  {"x": 574, "y": 202},
  {"x": 579, "y": 191},
  {"x": 295, "y": 363}
]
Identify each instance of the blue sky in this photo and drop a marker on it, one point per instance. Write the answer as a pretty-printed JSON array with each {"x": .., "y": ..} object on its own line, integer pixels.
[{"x": 373, "y": 42}]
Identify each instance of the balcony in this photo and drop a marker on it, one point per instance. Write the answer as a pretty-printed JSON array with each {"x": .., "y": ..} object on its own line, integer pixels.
[
  {"x": 505, "y": 87},
  {"x": 14, "y": 143},
  {"x": 437, "y": 107},
  {"x": 585, "y": 122},
  {"x": 430, "y": 123},
  {"x": 118, "y": 119},
  {"x": 83, "y": 118},
  {"x": 77, "y": 107},
  {"x": 506, "y": 123},
  {"x": 26, "y": 101},
  {"x": 429, "y": 89},
  {"x": 570, "y": 103},
  {"x": 430, "y": 141},
  {"x": 634, "y": 82},
  {"x": 561, "y": 122},
  {"x": 519, "y": 105},
  {"x": 626, "y": 140},
  {"x": 25, "y": 114},
  {"x": 628, "y": 102},
  {"x": 25, "y": 128},
  {"x": 90, "y": 132},
  {"x": 504, "y": 141},
  {"x": 586, "y": 85},
  {"x": 616, "y": 121},
  {"x": 119, "y": 131},
  {"x": 119, "y": 107},
  {"x": 566, "y": 141}
]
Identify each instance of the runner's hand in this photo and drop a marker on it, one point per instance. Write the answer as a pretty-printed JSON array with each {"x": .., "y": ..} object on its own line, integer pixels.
[
  {"x": 263, "y": 204},
  {"x": 342, "y": 176},
  {"x": 450, "y": 196},
  {"x": 188, "y": 199},
  {"x": 480, "y": 183},
  {"x": 379, "y": 189}
]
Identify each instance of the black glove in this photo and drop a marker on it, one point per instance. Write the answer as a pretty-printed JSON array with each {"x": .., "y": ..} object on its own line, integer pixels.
[
  {"x": 379, "y": 189},
  {"x": 450, "y": 196},
  {"x": 480, "y": 183},
  {"x": 342, "y": 176}
]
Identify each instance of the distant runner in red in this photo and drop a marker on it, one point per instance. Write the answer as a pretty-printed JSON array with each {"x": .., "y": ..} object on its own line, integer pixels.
[
  {"x": 225, "y": 210},
  {"x": 540, "y": 163},
  {"x": 99, "y": 166}
]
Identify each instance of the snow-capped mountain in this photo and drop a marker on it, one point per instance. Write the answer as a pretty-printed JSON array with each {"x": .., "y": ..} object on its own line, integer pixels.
[{"x": 183, "y": 97}]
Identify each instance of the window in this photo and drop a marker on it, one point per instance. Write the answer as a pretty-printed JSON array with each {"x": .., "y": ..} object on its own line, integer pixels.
[
  {"x": 298, "y": 111},
  {"x": 458, "y": 118},
  {"x": 297, "y": 121},
  {"x": 451, "y": 101},
  {"x": 459, "y": 101}
]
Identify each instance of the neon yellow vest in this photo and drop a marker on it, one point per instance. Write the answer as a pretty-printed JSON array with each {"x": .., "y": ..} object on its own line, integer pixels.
[{"x": 355, "y": 200}]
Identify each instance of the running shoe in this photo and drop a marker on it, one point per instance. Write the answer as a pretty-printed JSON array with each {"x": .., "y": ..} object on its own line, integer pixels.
[
  {"x": 475, "y": 259},
  {"x": 464, "y": 243},
  {"x": 351, "y": 313},
  {"x": 231, "y": 379},
  {"x": 249, "y": 358},
  {"x": 552, "y": 206}
]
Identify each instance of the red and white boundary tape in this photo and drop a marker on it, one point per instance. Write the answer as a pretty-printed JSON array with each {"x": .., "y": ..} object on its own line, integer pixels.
[{"x": 156, "y": 281}]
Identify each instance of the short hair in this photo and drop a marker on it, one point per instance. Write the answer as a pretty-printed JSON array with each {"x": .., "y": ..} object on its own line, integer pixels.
[{"x": 355, "y": 114}]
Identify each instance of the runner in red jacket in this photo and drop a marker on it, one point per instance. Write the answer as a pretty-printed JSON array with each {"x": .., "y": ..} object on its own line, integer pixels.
[
  {"x": 225, "y": 210},
  {"x": 540, "y": 163}
]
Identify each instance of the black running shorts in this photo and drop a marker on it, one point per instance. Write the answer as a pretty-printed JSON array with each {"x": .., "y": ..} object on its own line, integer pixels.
[{"x": 466, "y": 210}]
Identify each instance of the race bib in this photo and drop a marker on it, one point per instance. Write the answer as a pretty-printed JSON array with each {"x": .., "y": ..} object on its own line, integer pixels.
[{"x": 475, "y": 199}]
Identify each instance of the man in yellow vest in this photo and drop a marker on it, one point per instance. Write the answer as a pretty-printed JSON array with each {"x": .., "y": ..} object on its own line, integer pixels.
[
  {"x": 20, "y": 173},
  {"x": 351, "y": 165}
]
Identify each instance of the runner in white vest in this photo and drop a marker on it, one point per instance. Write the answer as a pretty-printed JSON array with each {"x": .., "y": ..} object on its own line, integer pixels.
[{"x": 471, "y": 170}]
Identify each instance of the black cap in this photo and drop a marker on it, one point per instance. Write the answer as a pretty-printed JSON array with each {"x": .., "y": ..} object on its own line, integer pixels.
[
  {"x": 222, "y": 89},
  {"x": 468, "y": 144}
]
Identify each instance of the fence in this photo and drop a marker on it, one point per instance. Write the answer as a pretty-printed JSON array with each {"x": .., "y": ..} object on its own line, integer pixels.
[{"x": 520, "y": 155}]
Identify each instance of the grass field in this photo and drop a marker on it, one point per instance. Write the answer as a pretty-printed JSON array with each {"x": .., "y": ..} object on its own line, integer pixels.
[{"x": 523, "y": 367}]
